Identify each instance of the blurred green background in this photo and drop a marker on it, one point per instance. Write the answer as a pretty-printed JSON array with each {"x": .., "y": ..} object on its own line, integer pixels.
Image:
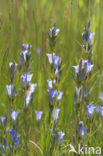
[{"x": 28, "y": 21}]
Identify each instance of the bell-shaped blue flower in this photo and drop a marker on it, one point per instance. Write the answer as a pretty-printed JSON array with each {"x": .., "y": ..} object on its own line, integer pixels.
[
  {"x": 11, "y": 90},
  {"x": 52, "y": 94},
  {"x": 2, "y": 119},
  {"x": 83, "y": 132},
  {"x": 16, "y": 140},
  {"x": 60, "y": 136},
  {"x": 90, "y": 110},
  {"x": 26, "y": 46},
  {"x": 30, "y": 93},
  {"x": 80, "y": 126},
  {"x": 101, "y": 111},
  {"x": 14, "y": 114},
  {"x": 76, "y": 68},
  {"x": 56, "y": 61},
  {"x": 51, "y": 83},
  {"x": 56, "y": 114},
  {"x": 81, "y": 129},
  {"x": 13, "y": 133},
  {"x": 50, "y": 57},
  {"x": 38, "y": 114},
  {"x": 101, "y": 96},
  {"x": 60, "y": 94},
  {"x": 26, "y": 78},
  {"x": 14, "y": 137},
  {"x": 88, "y": 36}
]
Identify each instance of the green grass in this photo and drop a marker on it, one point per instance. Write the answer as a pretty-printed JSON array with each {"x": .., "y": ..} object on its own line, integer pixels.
[{"x": 29, "y": 22}]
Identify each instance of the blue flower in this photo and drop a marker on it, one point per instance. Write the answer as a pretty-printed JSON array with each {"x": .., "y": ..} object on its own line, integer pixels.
[
  {"x": 53, "y": 32},
  {"x": 14, "y": 137},
  {"x": 51, "y": 83},
  {"x": 32, "y": 88},
  {"x": 97, "y": 108},
  {"x": 52, "y": 94},
  {"x": 76, "y": 68},
  {"x": 55, "y": 60},
  {"x": 50, "y": 57},
  {"x": 87, "y": 36},
  {"x": 2, "y": 148},
  {"x": 12, "y": 68},
  {"x": 83, "y": 132},
  {"x": 13, "y": 133},
  {"x": 3, "y": 118},
  {"x": 16, "y": 140},
  {"x": 38, "y": 51},
  {"x": 78, "y": 94},
  {"x": 30, "y": 93},
  {"x": 56, "y": 114},
  {"x": 85, "y": 67},
  {"x": 90, "y": 109},
  {"x": 23, "y": 56},
  {"x": 78, "y": 90},
  {"x": 60, "y": 94},
  {"x": 101, "y": 111},
  {"x": 80, "y": 126},
  {"x": 101, "y": 96},
  {"x": 25, "y": 53},
  {"x": 60, "y": 136},
  {"x": 26, "y": 46},
  {"x": 14, "y": 114},
  {"x": 38, "y": 115},
  {"x": 57, "y": 71},
  {"x": 26, "y": 78},
  {"x": 11, "y": 90}
]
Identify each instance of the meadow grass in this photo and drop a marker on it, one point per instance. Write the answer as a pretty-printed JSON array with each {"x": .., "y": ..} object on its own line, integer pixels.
[{"x": 23, "y": 21}]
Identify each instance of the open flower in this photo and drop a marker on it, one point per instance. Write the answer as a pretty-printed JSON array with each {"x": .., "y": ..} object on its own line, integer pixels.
[
  {"x": 16, "y": 141},
  {"x": 26, "y": 46},
  {"x": 14, "y": 137},
  {"x": 81, "y": 129},
  {"x": 60, "y": 136},
  {"x": 25, "y": 53},
  {"x": 14, "y": 114},
  {"x": 90, "y": 110},
  {"x": 30, "y": 93},
  {"x": 84, "y": 68},
  {"x": 80, "y": 126},
  {"x": 101, "y": 111},
  {"x": 53, "y": 59},
  {"x": 50, "y": 57},
  {"x": 11, "y": 90},
  {"x": 83, "y": 132},
  {"x": 60, "y": 94},
  {"x": 38, "y": 51},
  {"x": 13, "y": 133},
  {"x": 38, "y": 114},
  {"x": 52, "y": 94},
  {"x": 88, "y": 36},
  {"x": 56, "y": 114},
  {"x": 3, "y": 118},
  {"x": 51, "y": 83},
  {"x": 101, "y": 96},
  {"x": 26, "y": 78}
]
